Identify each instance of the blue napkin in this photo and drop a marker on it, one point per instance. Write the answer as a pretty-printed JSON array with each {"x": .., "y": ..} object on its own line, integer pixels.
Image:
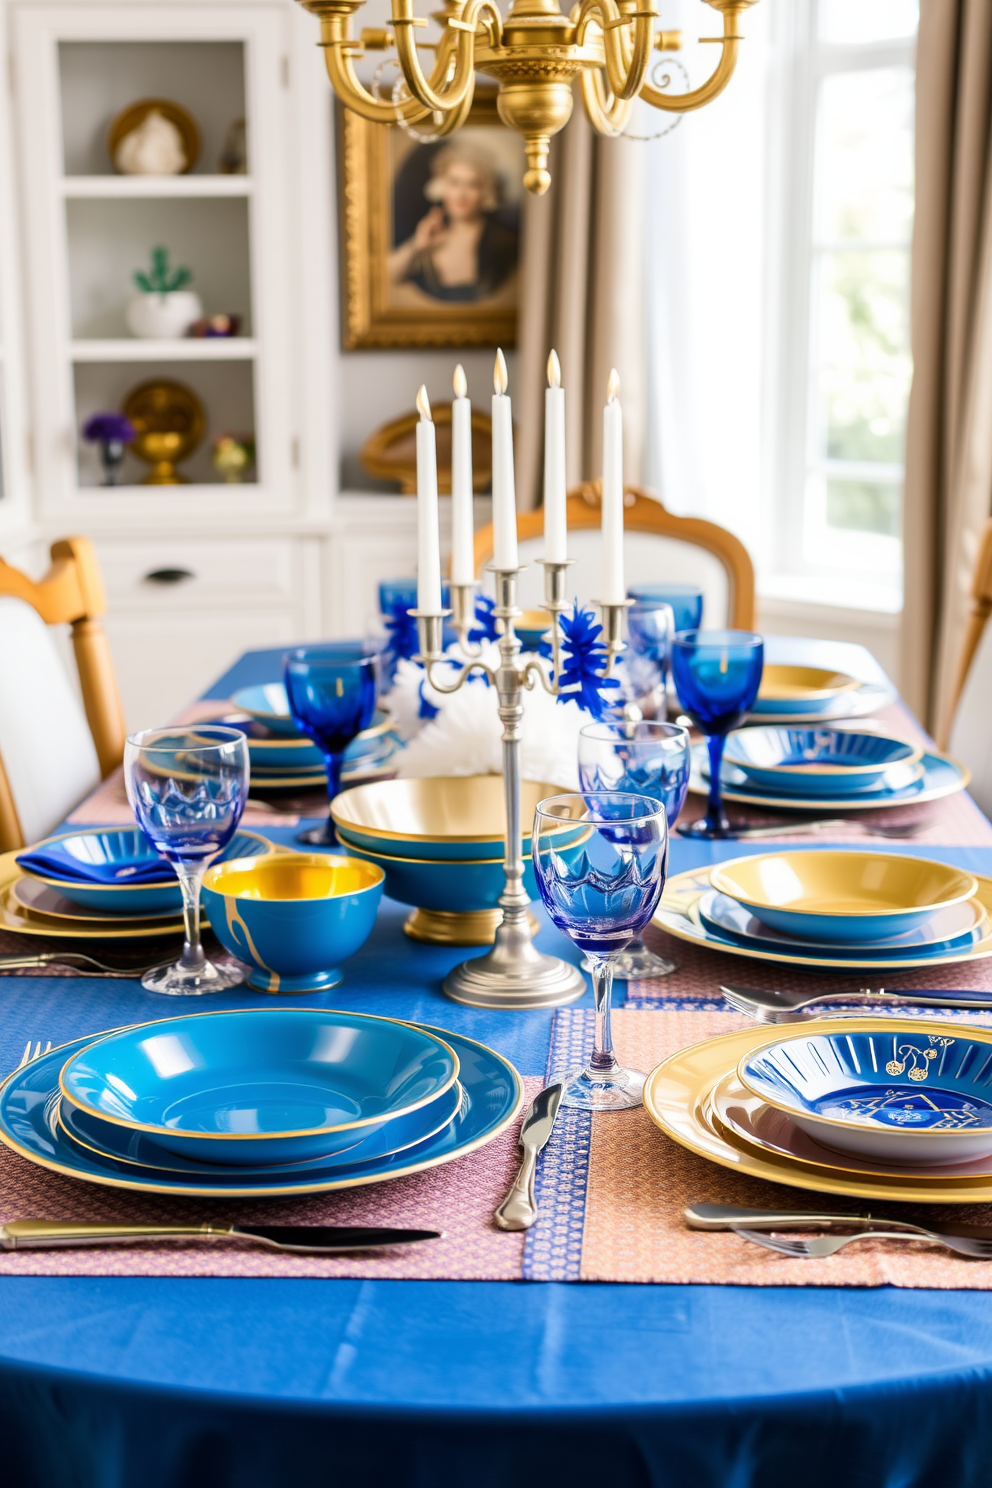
[{"x": 127, "y": 864}]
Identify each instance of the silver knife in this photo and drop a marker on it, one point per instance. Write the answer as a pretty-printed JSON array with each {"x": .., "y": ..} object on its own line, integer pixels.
[
  {"x": 49, "y": 1234},
  {"x": 728, "y": 1216},
  {"x": 518, "y": 1210}
]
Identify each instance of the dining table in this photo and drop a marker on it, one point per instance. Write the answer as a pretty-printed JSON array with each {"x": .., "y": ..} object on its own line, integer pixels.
[{"x": 195, "y": 1381}]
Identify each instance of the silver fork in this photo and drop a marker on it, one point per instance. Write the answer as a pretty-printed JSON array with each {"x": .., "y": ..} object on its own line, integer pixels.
[
  {"x": 820, "y": 824},
  {"x": 790, "y": 1007},
  {"x": 76, "y": 961},
  {"x": 828, "y": 1245},
  {"x": 28, "y": 1055}
]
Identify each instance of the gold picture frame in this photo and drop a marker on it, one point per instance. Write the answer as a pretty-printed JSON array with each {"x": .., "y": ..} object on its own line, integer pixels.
[{"x": 398, "y": 287}]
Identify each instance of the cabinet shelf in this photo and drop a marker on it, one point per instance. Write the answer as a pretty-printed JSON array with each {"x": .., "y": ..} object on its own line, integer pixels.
[
  {"x": 116, "y": 188},
  {"x": 209, "y": 349}
]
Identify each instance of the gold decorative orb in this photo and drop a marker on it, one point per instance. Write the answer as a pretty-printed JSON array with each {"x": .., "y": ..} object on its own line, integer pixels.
[{"x": 169, "y": 420}]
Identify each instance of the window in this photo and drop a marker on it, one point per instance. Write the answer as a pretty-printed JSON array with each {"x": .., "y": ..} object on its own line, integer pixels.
[{"x": 845, "y": 218}]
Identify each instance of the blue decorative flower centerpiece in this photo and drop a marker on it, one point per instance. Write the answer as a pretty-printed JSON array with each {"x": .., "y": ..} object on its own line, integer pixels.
[{"x": 583, "y": 660}]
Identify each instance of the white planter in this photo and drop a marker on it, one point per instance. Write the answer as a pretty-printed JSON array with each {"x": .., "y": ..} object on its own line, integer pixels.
[{"x": 163, "y": 317}]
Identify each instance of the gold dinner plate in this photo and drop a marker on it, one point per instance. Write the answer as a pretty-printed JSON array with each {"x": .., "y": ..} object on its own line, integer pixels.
[
  {"x": 34, "y": 895},
  {"x": 678, "y": 1096},
  {"x": 13, "y": 916},
  {"x": 678, "y": 914},
  {"x": 789, "y": 684},
  {"x": 747, "y": 1117}
]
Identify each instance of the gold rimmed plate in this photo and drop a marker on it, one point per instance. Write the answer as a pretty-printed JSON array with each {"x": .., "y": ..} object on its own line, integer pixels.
[
  {"x": 802, "y": 684},
  {"x": 36, "y": 897},
  {"x": 14, "y": 917},
  {"x": 678, "y": 1096},
  {"x": 678, "y": 914},
  {"x": 934, "y": 778}
]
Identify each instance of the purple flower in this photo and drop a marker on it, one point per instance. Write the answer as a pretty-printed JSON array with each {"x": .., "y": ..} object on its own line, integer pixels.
[{"x": 109, "y": 428}]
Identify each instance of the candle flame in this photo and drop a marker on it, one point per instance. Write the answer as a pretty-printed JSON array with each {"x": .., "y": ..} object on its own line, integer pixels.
[
  {"x": 460, "y": 381},
  {"x": 500, "y": 379},
  {"x": 613, "y": 387},
  {"x": 423, "y": 404},
  {"x": 554, "y": 370}
]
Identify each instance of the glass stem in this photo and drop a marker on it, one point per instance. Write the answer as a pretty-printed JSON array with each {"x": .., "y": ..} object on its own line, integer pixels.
[
  {"x": 190, "y": 878},
  {"x": 714, "y": 805},
  {"x": 602, "y": 1061},
  {"x": 334, "y": 764}
]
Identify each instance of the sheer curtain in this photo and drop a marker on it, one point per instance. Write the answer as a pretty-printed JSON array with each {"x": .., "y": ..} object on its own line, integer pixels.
[{"x": 705, "y": 283}]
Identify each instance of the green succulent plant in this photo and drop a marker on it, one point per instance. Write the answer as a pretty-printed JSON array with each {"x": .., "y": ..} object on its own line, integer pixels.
[{"x": 162, "y": 279}]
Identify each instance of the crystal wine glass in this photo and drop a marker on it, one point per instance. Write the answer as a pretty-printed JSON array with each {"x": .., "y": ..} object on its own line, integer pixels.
[
  {"x": 332, "y": 691},
  {"x": 717, "y": 674},
  {"x": 187, "y": 788},
  {"x": 685, "y": 601},
  {"x": 601, "y": 886},
  {"x": 650, "y": 628},
  {"x": 644, "y": 759}
]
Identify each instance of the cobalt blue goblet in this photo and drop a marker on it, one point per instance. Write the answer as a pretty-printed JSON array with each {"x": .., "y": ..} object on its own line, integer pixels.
[
  {"x": 601, "y": 888},
  {"x": 187, "y": 788},
  {"x": 645, "y": 759},
  {"x": 717, "y": 674},
  {"x": 332, "y": 691},
  {"x": 685, "y": 600}
]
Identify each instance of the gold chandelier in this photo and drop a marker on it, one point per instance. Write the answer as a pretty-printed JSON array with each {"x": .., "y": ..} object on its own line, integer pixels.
[{"x": 534, "y": 54}]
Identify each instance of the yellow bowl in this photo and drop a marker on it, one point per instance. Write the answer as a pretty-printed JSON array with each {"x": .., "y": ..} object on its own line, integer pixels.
[
  {"x": 790, "y": 684},
  {"x": 843, "y": 897},
  {"x": 443, "y": 817},
  {"x": 293, "y": 917}
]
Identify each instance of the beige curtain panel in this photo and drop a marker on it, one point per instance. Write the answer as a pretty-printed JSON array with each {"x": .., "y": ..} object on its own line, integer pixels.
[
  {"x": 948, "y": 494},
  {"x": 581, "y": 294}
]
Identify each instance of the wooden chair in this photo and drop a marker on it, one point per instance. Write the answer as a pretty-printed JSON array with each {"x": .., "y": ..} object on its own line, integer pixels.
[
  {"x": 968, "y": 733},
  {"x": 53, "y": 748},
  {"x": 391, "y": 452},
  {"x": 657, "y": 545}
]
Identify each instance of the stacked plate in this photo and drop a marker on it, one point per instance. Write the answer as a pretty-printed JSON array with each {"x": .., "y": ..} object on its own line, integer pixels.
[
  {"x": 101, "y": 883},
  {"x": 257, "y": 1102},
  {"x": 819, "y": 909},
  {"x": 825, "y": 768},
  {"x": 892, "y": 1108},
  {"x": 804, "y": 694},
  {"x": 284, "y": 759}
]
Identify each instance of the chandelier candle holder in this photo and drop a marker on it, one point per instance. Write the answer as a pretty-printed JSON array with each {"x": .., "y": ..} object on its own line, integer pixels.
[
  {"x": 535, "y": 54},
  {"x": 514, "y": 974}
]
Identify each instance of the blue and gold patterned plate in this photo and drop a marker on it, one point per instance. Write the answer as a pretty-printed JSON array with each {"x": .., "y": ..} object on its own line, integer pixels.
[
  {"x": 933, "y": 778},
  {"x": 29, "y": 1100},
  {"x": 818, "y": 761},
  {"x": 915, "y": 1098},
  {"x": 679, "y": 915}
]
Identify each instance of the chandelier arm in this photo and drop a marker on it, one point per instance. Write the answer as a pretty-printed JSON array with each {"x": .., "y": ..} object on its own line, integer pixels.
[
  {"x": 339, "y": 48},
  {"x": 683, "y": 103},
  {"x": 625, "y": 65},
  {"x": 462, "y": 84},
  {"x": 609, "y": 119}
]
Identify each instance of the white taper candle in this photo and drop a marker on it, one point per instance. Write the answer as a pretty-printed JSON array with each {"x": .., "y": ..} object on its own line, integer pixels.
[
  {"x": 462, "y": 559},
  {"x": 504, "y": 489},
  {"x": 555, "y": 534},
  {"x": 613, "y": 589},
  {"x": 428, "y": 536}
]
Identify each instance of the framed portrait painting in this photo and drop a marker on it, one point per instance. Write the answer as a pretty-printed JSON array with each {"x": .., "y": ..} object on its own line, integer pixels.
[{"x": 431, "y": 232}]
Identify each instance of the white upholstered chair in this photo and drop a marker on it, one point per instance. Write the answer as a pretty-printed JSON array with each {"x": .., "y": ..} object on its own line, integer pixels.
[
  {"x": 657, "y": 546},
  {"x": 54, "y": 747}
]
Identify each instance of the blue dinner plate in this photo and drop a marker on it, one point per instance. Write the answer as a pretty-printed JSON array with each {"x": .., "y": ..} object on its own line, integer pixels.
[
  {"x": 29, "y": 1101},
  {"x": 817, "y": 761},
  {"x": 259, "y": 1085},
  {"x": 935, "y": 777},
  {"x": 954, "y": 929},
  {"x": 129, "y": 844},
  {"x": 920, "y": 1098},
  {"x": 135, "y": 1149}
]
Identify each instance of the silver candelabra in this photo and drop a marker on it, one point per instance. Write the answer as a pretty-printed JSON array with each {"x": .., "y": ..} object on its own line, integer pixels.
[{"x": 513, "y": 974}]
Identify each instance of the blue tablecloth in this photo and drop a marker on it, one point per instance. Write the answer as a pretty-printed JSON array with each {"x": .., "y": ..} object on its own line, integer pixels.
[{"x": 169, "y": 1383}]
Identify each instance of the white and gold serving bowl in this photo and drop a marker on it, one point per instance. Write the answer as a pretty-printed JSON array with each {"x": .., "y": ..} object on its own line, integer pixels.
[
  {"x": 842, "y": 897},
  {"x": 801, "y": 689},
  {"x": 443, "y": 818}
]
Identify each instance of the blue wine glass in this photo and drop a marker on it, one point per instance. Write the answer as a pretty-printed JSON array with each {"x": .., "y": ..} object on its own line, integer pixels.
[
  {"x": 650, "y": 630},
  {"x": 685, "y": 600},
  {"x": 645, "y": 759},
  {"x": 187, "y": 788},
  {"x": 601, "y": 887},
  {"x": 717, "y": 674},
  {"x": 332, "y": 691}
]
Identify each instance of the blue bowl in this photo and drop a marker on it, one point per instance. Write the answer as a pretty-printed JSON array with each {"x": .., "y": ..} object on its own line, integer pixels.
[
  {"x": 130, "y": 845},
  {"x": 448, "y": 886},
  {"x": 816, "y": 761},
  {"x": 293, "y": 917},
  {"x": 905, "y": 1090},
  {"x": 259, "y": 1085},
  {"x": 842, "y": 897}
]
